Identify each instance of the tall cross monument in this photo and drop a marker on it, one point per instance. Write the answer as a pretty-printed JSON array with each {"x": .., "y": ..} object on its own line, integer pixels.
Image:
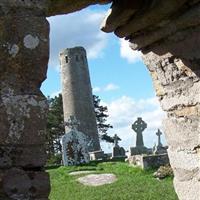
[
  {"x": 159, "y": 133},
  {"x": 139, "y": 126}
]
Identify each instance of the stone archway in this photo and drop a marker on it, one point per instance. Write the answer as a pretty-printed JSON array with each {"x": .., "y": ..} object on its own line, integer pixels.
[{"x": 167, "y": 33}]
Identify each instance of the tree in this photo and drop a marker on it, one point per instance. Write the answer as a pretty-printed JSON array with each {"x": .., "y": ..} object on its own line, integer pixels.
[
  {"x": 55, "y": 127},
  {"x": 101, "y": 118},
  {"x": 55, "y": 123}
]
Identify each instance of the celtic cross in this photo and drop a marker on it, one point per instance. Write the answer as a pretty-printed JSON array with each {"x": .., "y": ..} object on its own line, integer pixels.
[
  {"x": 159, "y": 133},
  {"x": 139, "y": 126}
]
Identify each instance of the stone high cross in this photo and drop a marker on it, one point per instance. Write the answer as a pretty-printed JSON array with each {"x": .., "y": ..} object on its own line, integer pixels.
[
  {"x": 72, "y": 123},
  {"x": 159, "y": 133},
  {"x": 139, "y": 126},
  {"x": 116, "y": 140}
]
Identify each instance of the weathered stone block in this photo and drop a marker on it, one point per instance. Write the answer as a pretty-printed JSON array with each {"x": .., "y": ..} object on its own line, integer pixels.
[
  {"x": 25, "y": 119},
  {"x": 138, "y": 150},
  {"x": 24, "y": 51},
  {"x": 184, "y": 159},
  {"x": 187, "y": 190},
  {"x": 181, "y": 96},
  {"x": 149, "y": 161},
  {"x": 182, "y": 132},
  {"x": 96, "y": 155},
  {"x": 24, "y": 156},
  {"x": 20, "y": 184}
]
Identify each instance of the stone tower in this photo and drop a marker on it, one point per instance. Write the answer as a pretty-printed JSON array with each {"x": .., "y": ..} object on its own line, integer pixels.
[{"x": 77, "y": 93}]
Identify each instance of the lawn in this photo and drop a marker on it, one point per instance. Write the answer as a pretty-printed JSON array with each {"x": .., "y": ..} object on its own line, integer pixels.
[{"x": 132, "y": 184}]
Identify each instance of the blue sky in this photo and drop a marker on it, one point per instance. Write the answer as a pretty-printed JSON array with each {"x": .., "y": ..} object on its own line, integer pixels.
[{"x": 118, "y": 75}]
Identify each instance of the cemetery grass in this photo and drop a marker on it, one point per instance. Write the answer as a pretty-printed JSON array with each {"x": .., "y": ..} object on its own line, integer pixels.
[{"x": 132, "y": 184}]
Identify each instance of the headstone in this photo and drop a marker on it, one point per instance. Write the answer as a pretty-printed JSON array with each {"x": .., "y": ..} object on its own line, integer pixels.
[
  {"x": 159, "y": 133},
  {"x": 149, "y": 161},
  {"x": 97, "y": 155},
  {"x": 116, "y": 140},
  {"x": 117, "y": 150},
  {"x": 139, "y": 126},
  {"x": 158, "y": 148},
  {"x": 74, "y": 144}
]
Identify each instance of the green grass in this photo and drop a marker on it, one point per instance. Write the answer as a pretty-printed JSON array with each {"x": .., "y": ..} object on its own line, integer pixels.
[{"x": 132, "y": 184}]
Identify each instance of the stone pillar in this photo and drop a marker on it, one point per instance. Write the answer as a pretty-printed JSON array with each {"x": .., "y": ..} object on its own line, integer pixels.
[
  {"x": 24, "y": 47},
  {"x": 176, "y": 77}
]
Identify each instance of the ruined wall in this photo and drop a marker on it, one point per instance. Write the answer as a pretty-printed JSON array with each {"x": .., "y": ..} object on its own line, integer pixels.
[
  {"x": 24, "y": 47},
  {"x": 168, "y": 33}
]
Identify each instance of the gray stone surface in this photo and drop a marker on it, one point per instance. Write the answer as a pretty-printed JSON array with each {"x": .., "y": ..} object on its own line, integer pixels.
[
  {"x": 77, "y": 93},
  {"x": 149, "y": 161},
  {"x": 167, "y": 32},
  {"x": 75, "y": 144},
  {"x": 159, "y": 133},
  {"x": 81, "y": 172},
  {"x": 139, "y": 126},
  {"x": 97, "y": 179},
  {"x": 138, "y": 150},
  {"x": 117, "y": 151},
  {"x": 24, "y": 48},
  {"x": 97, "y": 155},
  {"x": 159, "y": 148}
]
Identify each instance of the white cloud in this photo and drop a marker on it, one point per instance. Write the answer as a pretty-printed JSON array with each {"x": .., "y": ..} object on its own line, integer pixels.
[
  {"x": 106, "y": 88},
  {"x": 127, "y": 53},
  {"x": 96, "y": 89},
  {"x": 111, "y": 87},
  {"x": 77, "y": 29},
  {"x": 125, "y": 110}
]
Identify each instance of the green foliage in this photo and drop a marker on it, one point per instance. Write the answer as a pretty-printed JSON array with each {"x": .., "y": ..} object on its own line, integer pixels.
[
  {"x": 55, "y": 125},
  {"x": 101, "y": 117},
  {"x": 133, "y": 183},
  {"x": 54, "y": 160}
]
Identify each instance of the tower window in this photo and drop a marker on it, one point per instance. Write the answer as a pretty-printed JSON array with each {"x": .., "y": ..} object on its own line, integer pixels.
[
  {"x": 66, "y": 59},
  {"x": 77, "y": 58}
]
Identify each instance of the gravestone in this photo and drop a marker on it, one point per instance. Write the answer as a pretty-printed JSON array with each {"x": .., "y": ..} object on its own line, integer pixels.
[
  {"x": 116, "y": 140},
  {"x": 74, "y": 144},
  {"x": 159, "y": 133},
  {"x": 139, "y": 126},
  {"x": 97, "y": 155},
  {"x": 158, "y": 148},
  {"x": 117, "y": 150}
]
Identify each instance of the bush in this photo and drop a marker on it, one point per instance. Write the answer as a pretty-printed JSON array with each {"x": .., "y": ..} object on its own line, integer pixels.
[
  {"x": 163, "y": 172},
  {"x": 54, "y": 160}
]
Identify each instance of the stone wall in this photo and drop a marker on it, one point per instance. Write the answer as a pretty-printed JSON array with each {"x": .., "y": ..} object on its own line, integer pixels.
[
  {"x": 24, "y": 47},
  {"x": 149, "y": 161},
  {"x": 168, "y": 33}
]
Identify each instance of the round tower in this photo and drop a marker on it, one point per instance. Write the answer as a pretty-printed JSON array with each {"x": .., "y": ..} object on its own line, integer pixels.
[{"x": 77, "y": 93}]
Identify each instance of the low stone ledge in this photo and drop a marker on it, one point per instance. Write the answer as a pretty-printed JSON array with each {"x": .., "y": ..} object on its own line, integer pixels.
[{"x": 149, "y": 161}]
